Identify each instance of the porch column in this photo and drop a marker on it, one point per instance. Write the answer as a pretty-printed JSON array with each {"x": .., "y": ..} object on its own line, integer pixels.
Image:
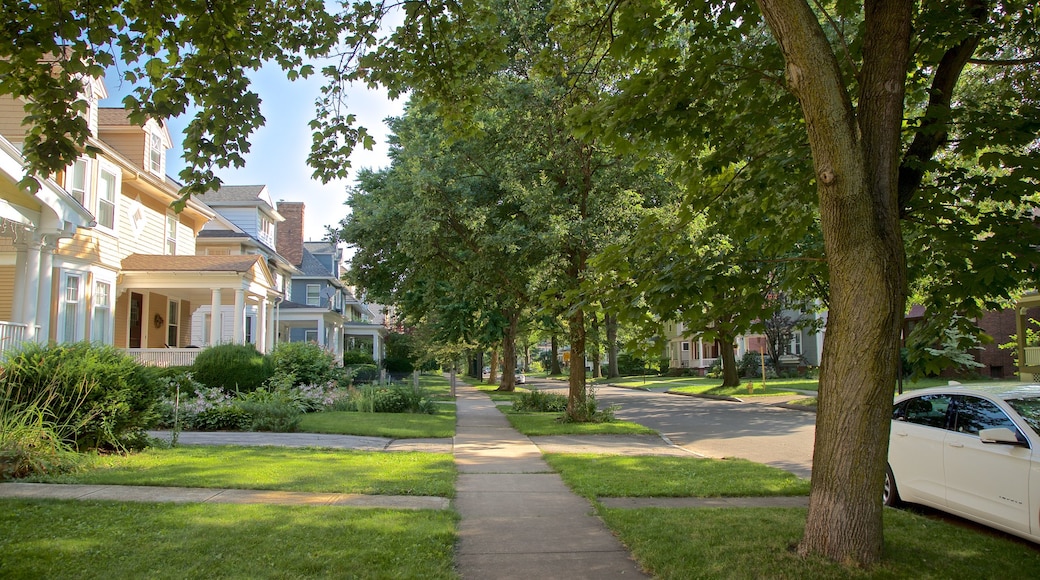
[
  {"x": 261, "y": 325},
  {"x": 238, "y": 336},
  {"x": 700, "y": 351},
  {"x": 272, "y": 335},
  {"x": 376, "y": 347},
  {"x": 18, "y": 300},
  {"x": 321, "y": 331},
  {"x": 43, "y": 301},
  {"x": 214, "y": 319},
  {"x": 31, "y": 288}
]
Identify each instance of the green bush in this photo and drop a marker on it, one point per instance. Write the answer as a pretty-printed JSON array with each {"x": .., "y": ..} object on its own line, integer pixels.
[
  {"x": 308, "y": 362},
  {"x": 364, "y": 373},
  {"x": 225, "y": 418},
  {"x": 398, "y": 364},
  {"x": 392, "y": 399},
  {"x": 30, "y": 443},
  {"x": 629, "y": 365},
  {"x": 274, "y": 415},
  {"x": 357, "y": 357},
  {"x": 104, "y": 393},
  {"x": 750, "y": 366},
  {"x": 540, "y": 402},
  {"x": 232, "y": 367}
]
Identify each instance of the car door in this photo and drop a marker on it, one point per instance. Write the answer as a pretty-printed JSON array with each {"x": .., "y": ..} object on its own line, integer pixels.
[
  {"x": 988, "y": 482},
  {"x": 915, "y": 451}
]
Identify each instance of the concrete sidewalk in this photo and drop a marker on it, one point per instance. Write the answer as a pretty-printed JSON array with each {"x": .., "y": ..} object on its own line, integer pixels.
[{"x": 518, "y": 517}]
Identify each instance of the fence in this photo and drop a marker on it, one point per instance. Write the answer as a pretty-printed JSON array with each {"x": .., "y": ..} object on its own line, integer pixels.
[
  {"x": 12, "y": 335},
  {"x": 164, "y": 357}
]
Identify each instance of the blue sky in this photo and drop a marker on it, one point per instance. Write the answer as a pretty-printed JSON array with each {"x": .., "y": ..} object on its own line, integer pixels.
[{"x": 278, "y": 156}]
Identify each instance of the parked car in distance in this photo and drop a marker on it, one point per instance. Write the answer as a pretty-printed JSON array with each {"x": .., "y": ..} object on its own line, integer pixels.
[
  {"x": 521, "y": 378},
  {"x": 970, "y": 451}
]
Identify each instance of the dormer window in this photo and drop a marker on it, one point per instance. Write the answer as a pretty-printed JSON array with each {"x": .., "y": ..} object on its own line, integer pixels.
[
  {"x": 76, "y": 180},
  {"x": 155, "y": 151}
]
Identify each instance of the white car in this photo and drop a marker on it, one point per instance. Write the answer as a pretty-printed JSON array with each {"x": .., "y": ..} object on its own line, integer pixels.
[
  {"x": 521, "y": 378},
  {"x": 970, "y": 451}
]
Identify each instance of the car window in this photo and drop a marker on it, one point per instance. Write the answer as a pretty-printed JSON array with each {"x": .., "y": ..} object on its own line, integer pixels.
[
  {"x": 1029, "y": 409},
  {"x": 929, "y": 410},
  {"x": 973, "y": 414}
]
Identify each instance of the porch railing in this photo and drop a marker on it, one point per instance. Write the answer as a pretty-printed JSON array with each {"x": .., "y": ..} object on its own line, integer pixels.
[
  {"x": 1032, "y": 355},
  {"x": 164, "y": 357},
  {"x": 12, "y": 335}
]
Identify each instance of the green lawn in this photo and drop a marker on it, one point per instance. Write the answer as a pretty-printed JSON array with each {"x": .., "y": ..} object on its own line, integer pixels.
[
  {"x": 393, "y": 425},
  {"x": 547, "y": 424},
  {"x": 496, "y": 395},
  {"x": 595, "y": 476},
  {"x": 715, "y": 543},
  {"x": 281, "y": 468},
  {"x": 95, "y": 539}
]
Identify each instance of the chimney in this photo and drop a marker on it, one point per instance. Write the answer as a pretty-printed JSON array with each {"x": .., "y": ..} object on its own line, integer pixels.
[{"x": 289, "y": 234}]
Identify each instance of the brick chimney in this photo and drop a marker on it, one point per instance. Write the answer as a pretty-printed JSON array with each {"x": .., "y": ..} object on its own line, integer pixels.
[{"x": 289, "y": 234}]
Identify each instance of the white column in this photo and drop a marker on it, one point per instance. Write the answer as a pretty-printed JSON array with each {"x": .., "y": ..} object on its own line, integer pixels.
[
  {"x": 32, "y": 288},
  {"x": 272, "y": 326},
  {"x": 43, "y": 301},
  {"x": 321, "y": 331},
  {"x": 214, "y": 319},
  {"x": 700, "y": 351},
  {"x": 18, "y": 303},
  {"x": 239, "y": 334},
  {"x": 376, "y": 348},
  {"x": 261, "y": 325}
]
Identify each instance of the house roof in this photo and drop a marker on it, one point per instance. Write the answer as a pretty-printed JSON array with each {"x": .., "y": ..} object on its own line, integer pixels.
[
  {"x": 234, "y": 193},
  {"x": 149, "y": 263},
  {"x": 311, "y": 266},
  {"x": 321, "y": 247},
  {"x": 113, "y": 116}
]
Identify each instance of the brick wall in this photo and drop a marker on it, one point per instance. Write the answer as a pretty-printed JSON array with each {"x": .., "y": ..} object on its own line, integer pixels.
[{"x": 289, "y": 234}]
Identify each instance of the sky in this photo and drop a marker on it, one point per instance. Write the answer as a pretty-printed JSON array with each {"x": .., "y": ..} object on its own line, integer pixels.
[{"x": 278, "y": 154}]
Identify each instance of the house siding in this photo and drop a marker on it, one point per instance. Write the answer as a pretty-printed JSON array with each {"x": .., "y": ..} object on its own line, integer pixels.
[
  {"x": 130, "y": 144},
  {"x": 245, "y": 218},
  {"x": 6, "y": 293},
  {"x": 11, "y": 115}
]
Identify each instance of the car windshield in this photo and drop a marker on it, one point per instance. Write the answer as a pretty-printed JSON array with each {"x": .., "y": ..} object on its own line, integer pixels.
[{"x": 1029, "y": 409}]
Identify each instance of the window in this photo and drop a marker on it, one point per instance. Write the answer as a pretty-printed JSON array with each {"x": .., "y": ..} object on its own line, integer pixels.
[
  {"x": 795, "y": 346},
  {"x": 76, "y": 180},
  {"x": 106, "y": 203},
  {"x": 171, "y": 234},
  {"x": 686, "y": 347},
  {"x": 310, "y": 335},
  {"x": 928, "y": 410},
  {"x": 101, "y": 320},
  {"x": 313, "y": 295},
  {"x": 155, "y": 151},
  {"x": 266, "y": 227},
  {"x": 972, "y": 414},
  {"x": 70, "y": 308},
  {"x": 172, "y": 323},
  {"x": 249, "y": 330}
]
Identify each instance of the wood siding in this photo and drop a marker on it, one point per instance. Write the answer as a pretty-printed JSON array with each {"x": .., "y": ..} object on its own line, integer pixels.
[{"x": 6, "y": 293}]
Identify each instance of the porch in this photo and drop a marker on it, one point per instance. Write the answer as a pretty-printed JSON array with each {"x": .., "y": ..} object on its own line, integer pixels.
[{"x": 164, "y": 357}]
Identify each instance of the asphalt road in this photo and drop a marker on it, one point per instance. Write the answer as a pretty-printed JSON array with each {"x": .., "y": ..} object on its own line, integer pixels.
[{"x": 758, "y": 432}]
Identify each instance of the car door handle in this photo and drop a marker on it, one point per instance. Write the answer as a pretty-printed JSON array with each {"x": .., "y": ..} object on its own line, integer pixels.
[
  {"x": 901, "y": 434},
  {"x": 958, "y": 445}
]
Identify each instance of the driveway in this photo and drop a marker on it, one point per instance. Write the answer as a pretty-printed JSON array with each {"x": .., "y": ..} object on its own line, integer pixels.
[{"x": 758, "y": 432}]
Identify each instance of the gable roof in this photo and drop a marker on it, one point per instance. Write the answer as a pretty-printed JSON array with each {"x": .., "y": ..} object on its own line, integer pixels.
[
  {"x": 149, "y": 263},
  {"x": 235, "y": 193}
]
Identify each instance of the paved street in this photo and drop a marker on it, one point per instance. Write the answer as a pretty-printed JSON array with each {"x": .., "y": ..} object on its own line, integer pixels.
[{"x": 758, "y": 432}]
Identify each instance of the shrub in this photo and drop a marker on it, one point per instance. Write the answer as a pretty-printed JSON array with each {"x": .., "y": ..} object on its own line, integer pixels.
[
  {"x": 750, "y": 366},
  {"x": 398, "y": 364},
  {"x": 364, "y": 373},
  {"x": 30, "y": 443},
  {"x": 391, "y": 399},
  {"x": 357, "y": 357},
  {"x": 309, "y": 363},
  {"x": 588, "y": 411},
  {"x": 232, "y": 367},
  {"x": 540, "y": 402},
  {"x": 223, "y": 418},
  {"x": 629, "y": 365},
  {"x": 104, "y": 393}
]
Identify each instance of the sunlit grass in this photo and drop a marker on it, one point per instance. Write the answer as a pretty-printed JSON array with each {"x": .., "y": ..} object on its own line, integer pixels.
[
  {"x": 548, "y": 424},
  {"x": 594, "y": 476},
  {"x": 93, "y": 539},
  {"x": 280, "y": 468},
  {"x": 757, "y": 543},
  {"x": 393, "y": 425}
]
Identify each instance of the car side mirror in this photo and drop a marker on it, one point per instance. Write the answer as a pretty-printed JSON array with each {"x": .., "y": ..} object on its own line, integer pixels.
[{"x": 1000, "y": 435}]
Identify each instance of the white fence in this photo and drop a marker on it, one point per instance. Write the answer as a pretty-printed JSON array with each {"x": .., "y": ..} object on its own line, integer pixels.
[
  {"x": 1032, "y": 356},
  {"x": 164, "y": 357},
  {"x": 12, "y": 335}
]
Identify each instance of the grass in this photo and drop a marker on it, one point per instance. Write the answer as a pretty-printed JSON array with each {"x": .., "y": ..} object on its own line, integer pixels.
[
  {"x": 547, "y": 424},
  {"x": 393, "y": 425},
  {"x": 290, "y": 469},
  {"x": 93, "y": 539},
  {"x": 756, "y": 543},
  {"x": 595, "y": 476},
  {"x": 497, "y": 395}
]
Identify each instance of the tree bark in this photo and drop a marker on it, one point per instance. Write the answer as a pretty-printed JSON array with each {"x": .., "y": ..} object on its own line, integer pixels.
[
  {"x": 855, "y": 158},
  {"x": 730, "y": 376},
  {"x": 509, "y": 354},
  {"x": 493, "y": 366},
  {"x": 576, "y": 377},
  {"x": 554, "y": 352},
  {"x": 612, "y": 345}
]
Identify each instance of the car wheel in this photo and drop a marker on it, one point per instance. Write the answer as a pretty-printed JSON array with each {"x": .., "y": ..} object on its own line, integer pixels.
[{"x": 890, "y": 495}]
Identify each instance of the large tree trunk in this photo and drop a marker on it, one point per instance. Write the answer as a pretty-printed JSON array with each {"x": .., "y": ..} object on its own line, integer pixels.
[
  {"x": 509, "y": 354},
  {"x": 493, "y": 366},
  {"x": 856, "y": 164},
  {"x": 612, "y": 345},
  {"x": 594, "y": 349},
  {"x": 554, "y": 354},
  {"x": 730, "y": 376},
  {"x": 576, "y": 409}
]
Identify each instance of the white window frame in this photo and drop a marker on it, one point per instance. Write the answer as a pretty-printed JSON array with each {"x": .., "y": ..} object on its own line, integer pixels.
[
  {"x": 155, "y": 153},
  {"x": 795, "y": 346},
  {"x": 310, "y": 336},
  {"x": 171, "y": 234},
  {"x": 686, "y": 346},
  {"x": 79, "y": 190},
  {"x": 71, "y": 306},
  {"x": 173, "y": 323},
  {"x": 101, "y": 320},
  {"x": 100, "y": 201},
  {"x": 316, "y": 296}
]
